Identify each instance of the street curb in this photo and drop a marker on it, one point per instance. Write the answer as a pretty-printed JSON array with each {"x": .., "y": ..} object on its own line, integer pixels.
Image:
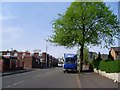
[{"x": 14, "y": 72}]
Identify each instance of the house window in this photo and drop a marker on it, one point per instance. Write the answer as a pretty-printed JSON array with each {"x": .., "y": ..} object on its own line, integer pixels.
[{"x": 8, "y": 53}]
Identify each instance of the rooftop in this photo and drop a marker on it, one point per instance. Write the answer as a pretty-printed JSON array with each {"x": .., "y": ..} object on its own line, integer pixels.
[{"x": 116, "y": 49}]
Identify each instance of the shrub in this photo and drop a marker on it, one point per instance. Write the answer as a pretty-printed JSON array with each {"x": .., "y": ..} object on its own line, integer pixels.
[
  {"x": 95, "y": 64},
  {"x": 108, "y": 66}
]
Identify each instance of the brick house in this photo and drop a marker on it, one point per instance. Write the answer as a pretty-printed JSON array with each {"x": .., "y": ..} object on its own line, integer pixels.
[{"x": 115, "y": 52}]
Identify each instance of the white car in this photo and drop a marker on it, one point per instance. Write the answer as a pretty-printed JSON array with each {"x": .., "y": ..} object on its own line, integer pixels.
[{"x": 60, "y": 65}]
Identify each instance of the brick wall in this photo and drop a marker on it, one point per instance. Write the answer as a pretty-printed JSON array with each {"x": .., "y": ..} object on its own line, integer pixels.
[{"x": 27, "y": 62}]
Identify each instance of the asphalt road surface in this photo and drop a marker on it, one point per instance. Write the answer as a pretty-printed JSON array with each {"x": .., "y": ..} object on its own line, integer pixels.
[{"x": 55, "y": 78}]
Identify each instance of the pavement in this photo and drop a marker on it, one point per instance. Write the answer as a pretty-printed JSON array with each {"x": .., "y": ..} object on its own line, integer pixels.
[{"x": 93, "y": 80}]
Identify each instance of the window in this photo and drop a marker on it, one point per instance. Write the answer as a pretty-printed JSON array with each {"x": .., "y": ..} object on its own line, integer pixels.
[{"x": 70, "y": 60}]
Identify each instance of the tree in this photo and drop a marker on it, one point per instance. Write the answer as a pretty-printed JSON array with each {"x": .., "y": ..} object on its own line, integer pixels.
[
  {"x": 36, "y": 50},
  {"x": 85, "y": 23},
  {"x": 85, "y": 56},
  {"x": 15, "y": 50},
  {"x": 99, "y": 57}
]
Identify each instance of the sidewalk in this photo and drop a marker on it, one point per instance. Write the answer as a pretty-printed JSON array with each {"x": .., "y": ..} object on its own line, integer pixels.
[
  {"x": 14, "y": 72},
  {"x": 93, "y": 80}
]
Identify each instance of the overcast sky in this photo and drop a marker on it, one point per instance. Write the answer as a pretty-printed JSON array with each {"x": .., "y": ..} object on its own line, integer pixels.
[{"x": 25, "y": 26}]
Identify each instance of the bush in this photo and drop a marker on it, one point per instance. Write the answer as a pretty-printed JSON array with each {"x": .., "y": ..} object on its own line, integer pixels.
[
  {"x": 108, "y": 66},
  {"x": 95, "y": 64}
]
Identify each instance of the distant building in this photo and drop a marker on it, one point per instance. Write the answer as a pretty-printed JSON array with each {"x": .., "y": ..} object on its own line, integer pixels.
[
  {"x": 115, "y": 52},
  {"x": 92, "y": 55},
  {"x": 32, "y": 59},
  {"x": 104, "y": 56}
]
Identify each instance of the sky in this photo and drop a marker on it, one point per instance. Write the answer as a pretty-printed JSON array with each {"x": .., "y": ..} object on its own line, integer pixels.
[{"x": 27, "y": 25}]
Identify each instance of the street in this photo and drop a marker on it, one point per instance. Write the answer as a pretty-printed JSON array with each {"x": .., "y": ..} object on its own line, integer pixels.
[{"x": 55, "y": 78}]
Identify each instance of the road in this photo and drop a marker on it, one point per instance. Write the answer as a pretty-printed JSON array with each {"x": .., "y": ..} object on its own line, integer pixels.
[{"x": 55, "y": 78}]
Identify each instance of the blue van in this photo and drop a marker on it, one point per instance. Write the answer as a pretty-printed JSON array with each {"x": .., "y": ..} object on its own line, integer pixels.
[{"x": 70, "y": 62}]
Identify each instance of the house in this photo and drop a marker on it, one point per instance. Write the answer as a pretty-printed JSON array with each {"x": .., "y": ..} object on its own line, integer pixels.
[
  {"x": 104, "y": 56},
  {"x": 115, "y": 52},
  {"x": 92, "y": 55}
]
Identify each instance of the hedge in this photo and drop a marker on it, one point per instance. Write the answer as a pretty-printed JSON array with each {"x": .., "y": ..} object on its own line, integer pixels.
[{"x": 108, "y": 66}]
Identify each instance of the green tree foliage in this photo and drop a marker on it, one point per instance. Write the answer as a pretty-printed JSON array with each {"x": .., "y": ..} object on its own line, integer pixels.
[
  {"x": 15, "y": 50},
  {"x": 97, "y": 61},
  {"x": 85, "y": 23}
]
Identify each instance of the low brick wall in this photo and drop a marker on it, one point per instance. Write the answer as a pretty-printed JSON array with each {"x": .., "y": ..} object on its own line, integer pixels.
[
  {"x": 112, "y": 76},
  {"x": 10, "y": 65}
]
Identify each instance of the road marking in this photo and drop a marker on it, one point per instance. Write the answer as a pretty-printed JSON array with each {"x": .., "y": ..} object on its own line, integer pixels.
[
  {"x": 14, "y": 84},
  {"x": 78, "y": 81},
  {"x": 21, "y": 81},
  {"x": 36, "y": 76},
  {"x": 8, "y": 86}
]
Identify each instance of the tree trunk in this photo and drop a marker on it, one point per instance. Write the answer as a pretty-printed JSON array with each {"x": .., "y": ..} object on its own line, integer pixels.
[{"x": 81, "y": 58}]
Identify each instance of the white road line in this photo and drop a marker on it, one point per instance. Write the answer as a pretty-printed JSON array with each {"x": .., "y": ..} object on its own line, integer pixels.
[
  {"x": 36, "y": 76},
  {"x": 14, "y": 84},
  {"x": 21, "y": 81},
  {"x": 9, "y": 86},
  {"x": 78, "y": 81}
]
